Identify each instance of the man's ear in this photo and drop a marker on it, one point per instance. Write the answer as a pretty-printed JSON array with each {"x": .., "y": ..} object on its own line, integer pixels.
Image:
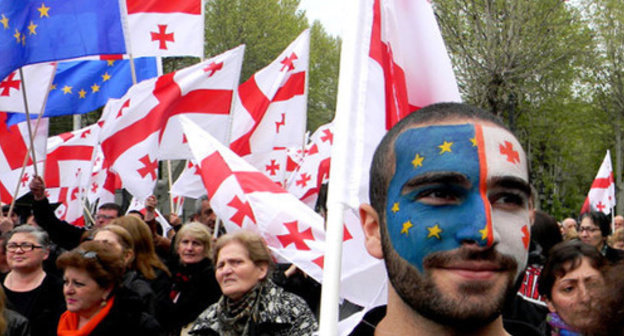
[
  {"x": 370, "y": 224},
  {"x": 550, "y": 306}
]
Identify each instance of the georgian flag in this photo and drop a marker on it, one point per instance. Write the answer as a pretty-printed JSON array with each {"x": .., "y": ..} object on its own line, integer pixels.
[
  {"x": 601, "y": 196},
  {"x": 70, "y": 157},
  {"x": 38, "y": 78},
  {"x": 189, "y": 182},
  {"x": 142, "y": 127},
  {"x": 245, "y": 198},
  {"x": 166, "y": 27},
  {"x": 103, "y": 182}
]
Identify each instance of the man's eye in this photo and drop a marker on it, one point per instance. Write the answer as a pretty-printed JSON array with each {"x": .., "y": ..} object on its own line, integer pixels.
[
  {"x": 508, "y": 199},
  {"x": 439, "y": 196}
]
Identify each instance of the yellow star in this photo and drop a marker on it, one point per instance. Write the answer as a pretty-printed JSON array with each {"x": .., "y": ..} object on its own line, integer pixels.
[
  {"x": 395, "y": 207},
  {"x": 43, "y": 10},
  {"x": 484, "y": 233},
  {"x": 106, "y": 76},
  {"x": 110, "y": 62},
  {"x": 5, "y": 22},
  {"x": 95, "y": 88},
  {"x": 82, "y": 93},
  {"x": 18, "y": 36},
  {"x": 418, "y": 160},
  {"x": 445, "y": 147},
  {"x": 406, "y": 226},
  {"x": 434, "y": 231},
  {"x": 32, "y": 28},
  {"x": 23, "y": 39},
  {"x": 474, "y": 141},
  {"x": 67, "y": 89},
  {"x": 52, "y": 87}
]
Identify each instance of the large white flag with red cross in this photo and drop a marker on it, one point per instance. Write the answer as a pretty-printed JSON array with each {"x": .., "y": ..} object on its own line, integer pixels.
[
  {"x": 601, "y": 196},
  {"x": 166, "y": 28},
  {"x": 38, "y": 78},
  {"x": 270, "y": 108},
  {"x": 142, "y": 127},
  {"x": 245, "y": 198}
]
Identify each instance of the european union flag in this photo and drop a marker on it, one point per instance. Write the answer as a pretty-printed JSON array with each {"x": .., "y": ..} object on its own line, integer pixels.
[{"x": 34, "y": 31}]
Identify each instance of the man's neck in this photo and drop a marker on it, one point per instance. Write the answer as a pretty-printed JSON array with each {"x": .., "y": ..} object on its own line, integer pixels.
[{"x": 401, "y": 319}]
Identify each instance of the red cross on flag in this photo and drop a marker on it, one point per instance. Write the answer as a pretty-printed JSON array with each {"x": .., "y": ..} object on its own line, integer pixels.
[
  {"x": 245, "y": 198},
  {"x": 38, "y": 78},
  {"x": 142, "y": 127},
  {"x": 103, "y": 182},
  {"x": 601, "y": 196},
  {"x": 270, "y": 109},
  {"x": 166, "y": 28},
  {"x": 189, "y": 182},
  {"x": 70, "y": 155}
]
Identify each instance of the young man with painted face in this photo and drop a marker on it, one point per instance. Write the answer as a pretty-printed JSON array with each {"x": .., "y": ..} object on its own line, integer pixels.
[{"x": 449, "y": 214}]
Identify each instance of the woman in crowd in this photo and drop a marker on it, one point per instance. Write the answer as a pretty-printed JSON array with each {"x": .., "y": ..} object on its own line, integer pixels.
[
  {"x": 146, "y": 263},
  {"x": 11, "y": 322},
  {"x": 617, "y": 239},
  {"x": 594, "y": 229},
  {"x": 251, "y": 303},
  {"x": 121, "y": 241},
  {"x": 570, "y": 281},
  {"x": 33, "y": 293},
  {"x": 97, "y": 304},
  {"x": 194, "y": 286}
]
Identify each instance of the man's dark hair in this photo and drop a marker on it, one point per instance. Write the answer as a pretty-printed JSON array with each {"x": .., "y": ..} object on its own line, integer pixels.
[
  {"x": 566, "y": 257},
  {"x": 383, "y": 165},
  {"x": 111, "y": 206},
  {"x": 600, "y": 220}
]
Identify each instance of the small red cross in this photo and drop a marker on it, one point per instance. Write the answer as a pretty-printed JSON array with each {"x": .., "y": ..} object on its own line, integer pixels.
[
  {"x": 288, "y": 62},
  {"x": 242, "y": 210},
  {"x": 125, "y": 105},
  {"x": 25, "y": 179},
  {"x": 149, "y": 167},
  {"x": 272, "y": 168},
  {"x": 85, "y": 133},
  {"x": 8, "y": 84},
  {"x": 78, "y": 172},
  {"x": 296, "y": 237},
  {"x": 94, "y": 187},
  {"x": 526, "y": 237},
  {"x": 328, "y": 136},
  {"x": 600, "y": 206},
  {"x": 162, "y": 37},
  {"x": 280, "y": 123},
  {"x": 303, "y": 182},
  {"x": 213, "y": 67},
  {"x": 74, "y": 194},
  {"x": 507, "y": 149}
]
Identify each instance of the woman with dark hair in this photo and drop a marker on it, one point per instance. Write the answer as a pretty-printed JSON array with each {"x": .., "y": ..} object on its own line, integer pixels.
[
  {"x": 97, "y": 304},
  {"x": 251, "y": 303},
  {"x": 570, "y": 281},
  {"x": 33, "y": 293},
  {"x": 594, "y": 229}
]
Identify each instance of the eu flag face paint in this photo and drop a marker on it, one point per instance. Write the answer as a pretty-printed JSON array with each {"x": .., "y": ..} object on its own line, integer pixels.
[{"x": 455, "y": 184}]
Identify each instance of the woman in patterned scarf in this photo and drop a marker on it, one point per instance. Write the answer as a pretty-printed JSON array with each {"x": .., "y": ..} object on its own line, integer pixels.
[{"x": 251, "y": 303}]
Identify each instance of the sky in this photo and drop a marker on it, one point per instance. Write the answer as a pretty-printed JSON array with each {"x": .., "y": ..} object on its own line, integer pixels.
[{"x": 329, "y": 12}]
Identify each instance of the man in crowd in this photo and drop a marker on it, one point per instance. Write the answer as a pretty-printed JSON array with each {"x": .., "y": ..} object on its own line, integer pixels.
[
  {"x": 618, "y": 222},
  {"x": 62, "y": 233},
  {"x": 449, "y": 214}
]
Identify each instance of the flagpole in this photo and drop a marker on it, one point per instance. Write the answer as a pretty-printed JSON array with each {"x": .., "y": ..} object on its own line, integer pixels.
[
  {"x": 351, "y": 84},
  {"x": 169, "y": 178},
  {"x": 30, "y": 133}
]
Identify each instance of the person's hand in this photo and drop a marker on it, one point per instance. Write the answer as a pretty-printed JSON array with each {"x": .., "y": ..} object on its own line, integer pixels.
[
  {"x": 290, "y": 271},
  {"x": 37, "y": 187},
  {"x": 175, "y": 220},
  {"x": 6, "y": 224}
]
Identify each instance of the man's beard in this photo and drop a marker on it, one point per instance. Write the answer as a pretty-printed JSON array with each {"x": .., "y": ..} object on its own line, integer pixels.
[{"x": 476, "y": 303}]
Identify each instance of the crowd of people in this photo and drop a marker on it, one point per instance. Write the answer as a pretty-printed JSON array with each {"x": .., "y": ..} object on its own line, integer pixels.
[{"x": 450, "y": 214}]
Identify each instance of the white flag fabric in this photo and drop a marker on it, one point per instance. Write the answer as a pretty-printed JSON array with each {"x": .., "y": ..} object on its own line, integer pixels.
[
  {"x": 166, "y": 28},
  {"x": 142, "y": 127},
  {"x": 38, "y": 78},
  {"x": 189, "y": 183},
  {"x": 103, "y": 182},
  {"x": 601, "y": 196},
  {"x": 70, "y": 157},
  {"x": 138, "y": 205},
  {"x": 270, "y": 109}
]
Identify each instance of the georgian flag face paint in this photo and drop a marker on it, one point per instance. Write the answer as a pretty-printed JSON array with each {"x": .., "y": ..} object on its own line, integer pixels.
[{"x": 455, "y": 184}]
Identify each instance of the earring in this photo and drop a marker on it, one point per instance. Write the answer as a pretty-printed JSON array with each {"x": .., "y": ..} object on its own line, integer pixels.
[{"x": 103, "y": 303}]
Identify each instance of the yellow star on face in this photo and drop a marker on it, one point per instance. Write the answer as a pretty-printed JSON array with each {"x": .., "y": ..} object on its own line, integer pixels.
[
  {"x": 110, "y": 62},
  {"x": 18, "y": 36},
  {"x": 52, "y": 87},
  {"x": 106, "y": 76},
  {"x": 43, "y": 11},
  {"x": 395, "y": 207},
  {"x": 484, "y": 233},
  {"x": 434, "y": 231},
  {"x": 406, "y": 226},
  {"x": 474, "y": 141},
  {"x": 418, "y": 160},
  {"x": 67, "y": 89},
  {"x": 5, "y": 22},
  {"x": 445, "y": 147},
  {"x": 82, "y": 93},
  {"x": 32, "y": 28},
  {"x": 95, "y": 88}
]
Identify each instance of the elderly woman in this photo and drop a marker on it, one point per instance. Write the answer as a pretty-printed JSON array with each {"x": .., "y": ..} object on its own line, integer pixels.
[
  {"x": 194, "y": 286},
  {"x": 251, "y": 303},
  {"x": 31, "y": 291},
  {"x": 594, "y": 229},
  {"x": 96, "y": 303},
  {"x": 569, "y": 282}
]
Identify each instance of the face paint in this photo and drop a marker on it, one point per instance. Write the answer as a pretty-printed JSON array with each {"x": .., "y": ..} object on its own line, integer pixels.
[{"x": 458, "y": 183}]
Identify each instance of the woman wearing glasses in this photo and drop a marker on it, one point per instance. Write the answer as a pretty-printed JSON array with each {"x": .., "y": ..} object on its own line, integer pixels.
[
  {"x": 594, "y": 229},
  {"x": 96, "y": 302},
  {"x": 32, "y": 292}
]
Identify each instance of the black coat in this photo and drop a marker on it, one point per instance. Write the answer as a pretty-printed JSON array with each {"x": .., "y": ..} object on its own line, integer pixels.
[
  {"x": 63, "y": 234},
  {"x": 17, "y": 325}
]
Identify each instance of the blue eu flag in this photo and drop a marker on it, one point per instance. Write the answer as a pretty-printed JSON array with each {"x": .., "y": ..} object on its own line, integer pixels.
[{"x": 34, "y": 31}]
